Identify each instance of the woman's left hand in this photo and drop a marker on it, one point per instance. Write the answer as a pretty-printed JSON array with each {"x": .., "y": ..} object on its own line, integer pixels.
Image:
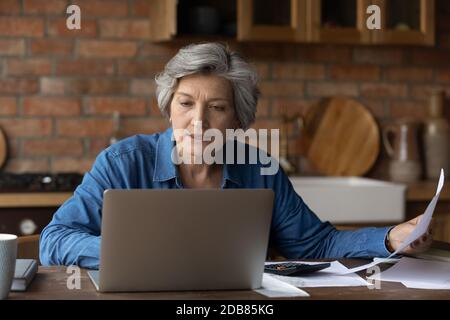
[{"x": 399, "y": 233}]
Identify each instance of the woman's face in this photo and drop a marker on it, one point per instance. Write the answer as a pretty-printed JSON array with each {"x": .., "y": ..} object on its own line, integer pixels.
[{"x": 201, "y": 101}]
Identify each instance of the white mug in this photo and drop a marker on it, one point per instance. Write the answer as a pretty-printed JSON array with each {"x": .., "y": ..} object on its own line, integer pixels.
[{"x": 8, "y": 253}]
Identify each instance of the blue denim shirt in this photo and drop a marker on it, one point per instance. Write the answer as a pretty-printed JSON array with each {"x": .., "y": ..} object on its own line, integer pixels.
[{"x": 144, "y": 161}]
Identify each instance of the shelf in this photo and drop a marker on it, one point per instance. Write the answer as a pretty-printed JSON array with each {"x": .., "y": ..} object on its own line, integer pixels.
[{"x": 33, "y": 200}]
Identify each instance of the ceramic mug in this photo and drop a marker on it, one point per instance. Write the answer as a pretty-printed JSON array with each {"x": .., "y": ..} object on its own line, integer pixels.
[{"x": 8, "y": 253}]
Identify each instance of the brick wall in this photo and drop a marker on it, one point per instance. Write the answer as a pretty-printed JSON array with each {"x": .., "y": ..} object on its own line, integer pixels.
[{"x": 59, "y": 87}]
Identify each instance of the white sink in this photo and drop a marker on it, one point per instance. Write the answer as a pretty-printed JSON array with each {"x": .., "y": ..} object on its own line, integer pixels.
[{"x": 352, "y": 199}]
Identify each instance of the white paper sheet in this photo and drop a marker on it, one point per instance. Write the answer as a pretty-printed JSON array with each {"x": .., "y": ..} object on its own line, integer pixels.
[
  {"x": 418, "y": 231},
  {"x": 419, "y": 273},
  {"x": 274, "y": 288},
  {"x": 328, "y": 277}
]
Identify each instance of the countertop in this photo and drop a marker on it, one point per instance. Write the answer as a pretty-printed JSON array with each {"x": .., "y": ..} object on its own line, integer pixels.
[{"x": 419, "y": 191}]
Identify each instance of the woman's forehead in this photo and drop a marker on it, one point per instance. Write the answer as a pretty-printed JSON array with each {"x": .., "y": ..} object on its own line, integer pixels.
[{"x": 212, "y": 85}]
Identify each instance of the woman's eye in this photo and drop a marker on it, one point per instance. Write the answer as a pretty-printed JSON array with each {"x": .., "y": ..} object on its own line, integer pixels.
[
  {"x": 218, "y": 108},
  {"x": 185, "y": 104}
]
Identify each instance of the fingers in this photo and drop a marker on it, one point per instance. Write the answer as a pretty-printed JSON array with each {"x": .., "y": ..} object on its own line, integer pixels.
[{"x": 416, "y": 219}]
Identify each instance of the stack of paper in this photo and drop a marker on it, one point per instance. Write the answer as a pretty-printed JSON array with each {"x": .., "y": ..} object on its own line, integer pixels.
[
  {"x": 329, "y": 277},
  {"x": 274, "y": 288},
  {"x": 419, "y": 273}
]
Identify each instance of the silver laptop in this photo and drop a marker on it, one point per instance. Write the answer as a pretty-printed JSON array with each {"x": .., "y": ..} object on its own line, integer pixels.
[{"x": 190, "y": 239}]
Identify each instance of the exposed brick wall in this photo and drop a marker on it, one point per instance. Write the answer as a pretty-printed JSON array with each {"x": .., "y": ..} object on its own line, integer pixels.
[{"x": 59, "y": 87}]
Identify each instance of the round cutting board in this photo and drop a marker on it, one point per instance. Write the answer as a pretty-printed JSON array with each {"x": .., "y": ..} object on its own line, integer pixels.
[
  {"x": 3, "y": 148},
  {"x": 341, "y": 137}
]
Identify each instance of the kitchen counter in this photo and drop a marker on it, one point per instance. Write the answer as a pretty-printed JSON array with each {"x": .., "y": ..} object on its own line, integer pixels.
[
  {"x": 425, "y": 191},
  {"x": 33, "y": 199}
]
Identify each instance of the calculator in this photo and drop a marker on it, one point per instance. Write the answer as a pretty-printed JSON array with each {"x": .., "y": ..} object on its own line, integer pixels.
[{"x": 294, "y": 268}]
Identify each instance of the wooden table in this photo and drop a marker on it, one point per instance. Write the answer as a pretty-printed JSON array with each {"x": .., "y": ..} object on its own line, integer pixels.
[{"x": 50, "y": 283}]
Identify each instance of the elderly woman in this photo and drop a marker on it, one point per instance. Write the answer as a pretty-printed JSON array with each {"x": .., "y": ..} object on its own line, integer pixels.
[{"x": 204, "y": 84}]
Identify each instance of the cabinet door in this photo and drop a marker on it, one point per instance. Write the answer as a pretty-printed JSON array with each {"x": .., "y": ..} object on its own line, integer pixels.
[
  {"x": 406, "y": 22},
  {"x": 338, "y": 21},
  {"x": 163, "y": 19},
  {"x": 272, "y": 20}
]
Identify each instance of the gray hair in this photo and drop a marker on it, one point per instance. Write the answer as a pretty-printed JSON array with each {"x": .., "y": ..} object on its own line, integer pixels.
[{"x": 211, "y": 58}]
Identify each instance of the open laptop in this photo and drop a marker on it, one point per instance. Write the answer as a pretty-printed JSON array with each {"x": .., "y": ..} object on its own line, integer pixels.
[{"x": 189, "y": 239}]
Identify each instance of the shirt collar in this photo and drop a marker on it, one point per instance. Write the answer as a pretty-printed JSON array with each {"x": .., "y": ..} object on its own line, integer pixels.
[{"x": 166, "y": 170}]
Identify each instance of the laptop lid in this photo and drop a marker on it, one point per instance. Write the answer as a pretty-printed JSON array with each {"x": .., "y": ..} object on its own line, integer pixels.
[{"x": 188, "y": 239}]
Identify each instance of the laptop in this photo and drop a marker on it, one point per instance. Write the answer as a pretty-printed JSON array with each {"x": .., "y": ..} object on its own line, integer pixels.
[{"x": 183, "y": 239}]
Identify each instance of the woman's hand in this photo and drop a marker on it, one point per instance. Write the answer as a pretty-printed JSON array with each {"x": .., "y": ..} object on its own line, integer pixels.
[{"x": 399, "y": 233}]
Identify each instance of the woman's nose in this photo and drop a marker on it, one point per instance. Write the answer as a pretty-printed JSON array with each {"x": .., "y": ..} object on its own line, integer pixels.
[{"x": 201, "y": 116}]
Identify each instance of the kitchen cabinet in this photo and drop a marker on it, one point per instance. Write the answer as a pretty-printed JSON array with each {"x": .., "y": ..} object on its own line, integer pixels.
[
  {"x": 406, "y": 22},
  {"x": 301, "y": 21},
  {"x": 271, "y": 20}
]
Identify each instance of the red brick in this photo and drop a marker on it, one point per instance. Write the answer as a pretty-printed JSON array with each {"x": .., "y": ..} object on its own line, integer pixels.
[
  {"x": 45, "y": 7},
  {"x": 96, "y": 86},
  {"x": 97, "y": 145},
  {"x": 413, "y": 109},
  {"x": 425, "y": 91},
  {"x": 443, "y": 75},
  {"x": 140, "y": 68},
  {"x": 126, "y": 106},
  {"x": 165, "y": 49},
  {"x": 51, "y": 106},
  {"x": 290, "y": 107},
  {"x": 355, "y": 72},
  {"x": 376, "y": 55},
  {"x": 85, "y": 67},
  {"x": 51, "y": 47},
  {"x": 9, "y": 7},
  {"x": 268, "y": 51},
  {"x": 263, "y": 108},
  {"x": 14, "y": 47},
  {"x": 144, "y": 126},
  {"x": 103, "y": 8},
  {"x": 53, "y": 147},
  {"x": 286, "y": 71},
  {"x": 72, "y": 165},
  {"x": 262, "y": 69},
  {"x": 26, "y": 127},
  {"x": 52, "y": 86},
  {"x": 324, "y": 54},
  {"x": 8, "y": 106},
  {"x": 377, "y": 90},
  {"x": 18, "y": 86},
  {"x": 107, "y": 49},
  {"x": 325, "y": 89},
  {"x": 125, "y": 29},
  {"x": 430, "y": 57},
  {"x": 375, "y": 106},
  {"x": 144, "y": 87},
  {"x": 141, "y": 8},
  {"x": 281, "y": 89},
  {"x": 56, "y": 27},
  {"x": 27, "y": 165},
  {"x": 20, "y": 26},
  {"x": 409, "y": 74},
  {"x": 14, "y": 146},
  {"x": 154, "y": 108},
  {"x": 19, "y": 67},
  {"x": 84, "y": 127}
]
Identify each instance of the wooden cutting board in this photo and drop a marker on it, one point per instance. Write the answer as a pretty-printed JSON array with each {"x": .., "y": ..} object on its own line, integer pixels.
[
  {"x": 341, "y": 137},
  {"x": 3, "y": 148}
]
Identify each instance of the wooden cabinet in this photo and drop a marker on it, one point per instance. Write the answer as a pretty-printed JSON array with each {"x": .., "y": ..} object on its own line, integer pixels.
[
  {"x": 406, "y": 22},
  {"x": 303, "y": 21},
  {"x": 272, "y": 20}
]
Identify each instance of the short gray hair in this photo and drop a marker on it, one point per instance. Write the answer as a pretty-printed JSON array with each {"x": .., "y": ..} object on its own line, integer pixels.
[{"x": 212, "y": 58}]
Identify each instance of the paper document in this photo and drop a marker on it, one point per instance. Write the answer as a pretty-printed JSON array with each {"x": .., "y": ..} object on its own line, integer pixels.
[
  {"x": 328, "y": 277},
  {"x": 274, "y": 288},
  {"x": 418, "y": 231},
  {"x": 419, "y": 273}
]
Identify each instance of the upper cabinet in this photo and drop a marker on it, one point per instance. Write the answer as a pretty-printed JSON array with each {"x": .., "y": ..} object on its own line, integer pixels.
[
  {"x": 338, "y": 21},
  {"x": 272, "y": 20},
  {"x": 406, "y": 22},
  {"x": 303, "y": 21}
]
